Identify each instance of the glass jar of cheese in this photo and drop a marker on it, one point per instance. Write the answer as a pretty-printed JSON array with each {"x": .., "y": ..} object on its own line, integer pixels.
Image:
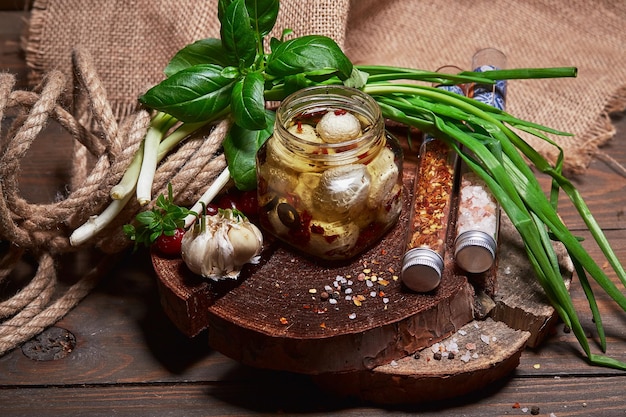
[{"x": 329, "y": 179}]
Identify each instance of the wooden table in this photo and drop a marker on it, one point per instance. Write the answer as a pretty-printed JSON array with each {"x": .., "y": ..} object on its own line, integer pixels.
[{"x": 130, "y": 360}]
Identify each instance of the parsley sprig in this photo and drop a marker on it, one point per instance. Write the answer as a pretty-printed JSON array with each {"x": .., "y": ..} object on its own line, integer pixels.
[{"x": 164, "y": 219}]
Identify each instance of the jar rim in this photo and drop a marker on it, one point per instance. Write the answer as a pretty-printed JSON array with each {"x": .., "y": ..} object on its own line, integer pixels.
[{"x": 331, "y": 96}]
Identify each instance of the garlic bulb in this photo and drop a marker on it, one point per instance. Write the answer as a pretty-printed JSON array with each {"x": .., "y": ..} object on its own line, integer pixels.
[{"x": 218, "y": 246}]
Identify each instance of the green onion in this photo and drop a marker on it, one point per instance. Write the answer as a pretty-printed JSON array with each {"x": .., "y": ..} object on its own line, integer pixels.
[{"x": 472, "y": 126}]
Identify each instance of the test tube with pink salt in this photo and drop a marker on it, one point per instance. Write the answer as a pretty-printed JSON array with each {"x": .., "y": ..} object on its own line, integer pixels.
[{"x": 478, "y": 215}]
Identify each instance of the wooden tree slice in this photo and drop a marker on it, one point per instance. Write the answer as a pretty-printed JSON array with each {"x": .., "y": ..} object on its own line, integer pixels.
[
  {"x": 277, "y": 318},
  {"x": 355, "y": 327},
  {"x": 186, "y": 297},
  {"x": 487, "y": 351}
]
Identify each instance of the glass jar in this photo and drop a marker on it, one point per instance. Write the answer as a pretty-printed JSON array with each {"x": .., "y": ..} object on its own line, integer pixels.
[{"x": 329, "y": 180}]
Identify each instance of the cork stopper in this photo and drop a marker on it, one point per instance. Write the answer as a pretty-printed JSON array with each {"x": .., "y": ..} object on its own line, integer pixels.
[{"x": 421, "y": 269}]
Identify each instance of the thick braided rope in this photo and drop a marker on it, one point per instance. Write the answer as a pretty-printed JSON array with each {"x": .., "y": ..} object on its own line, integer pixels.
[{"x": 44, "y": 229}]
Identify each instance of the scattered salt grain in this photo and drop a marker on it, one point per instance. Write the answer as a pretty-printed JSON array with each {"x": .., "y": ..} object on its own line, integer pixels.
[
  {"x": 394, "y": 363},
  {"x": 462, "y": 332},
  {"x": 485, "y": 338},
  {"x": 348, "y": 290},
  {"x": 385, "y": 300},
  {"x": 332, "y": 300},
  {"x": 373, "y": 294},
  {"x": 352, "y": 316}
]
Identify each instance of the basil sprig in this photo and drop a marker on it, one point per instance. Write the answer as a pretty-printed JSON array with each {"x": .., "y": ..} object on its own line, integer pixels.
[{"x": 212, "y": 76}]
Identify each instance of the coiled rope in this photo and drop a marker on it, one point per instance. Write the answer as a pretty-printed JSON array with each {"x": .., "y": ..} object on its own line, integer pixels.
[{"x": 42, "y": 231}]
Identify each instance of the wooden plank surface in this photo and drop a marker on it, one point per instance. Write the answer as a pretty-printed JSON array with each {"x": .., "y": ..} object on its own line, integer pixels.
[
  {"x": 130, "y": 360},
  {"x": 290, "y": 395}
]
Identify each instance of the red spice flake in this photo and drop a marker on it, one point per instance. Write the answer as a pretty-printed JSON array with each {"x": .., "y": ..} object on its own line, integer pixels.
[
  {"x": 306, "y": 307},
  {"x": 432, "y": 203},
  {"x": 317, "y": 229},
  {"x": 299, "y": 128},
  {"x": 331, "y": 238},
  {"x": 284, "y": 320},
  {"x": 340, "y": 112},
  {"x": 381, "y": 293},
  {"x": 323, "y": 325},
  {"x": 516, "y": 405},
  {"x": 383, "y": 252},
  {"x": 391, "y": 270}
]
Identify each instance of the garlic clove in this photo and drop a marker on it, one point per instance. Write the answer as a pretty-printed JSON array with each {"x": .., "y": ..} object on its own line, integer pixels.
[
  {"x": 384, "y": 175},
  {"x": 246, "y": 240},
  {"x": 305, "y": 131}
]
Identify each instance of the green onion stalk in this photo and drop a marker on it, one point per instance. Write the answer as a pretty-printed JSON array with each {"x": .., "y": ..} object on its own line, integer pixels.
[{"x": 234, "y": 77}]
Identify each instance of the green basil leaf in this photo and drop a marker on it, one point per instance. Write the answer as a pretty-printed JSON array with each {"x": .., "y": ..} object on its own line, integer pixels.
[
  {"x": 247, "y": 103},
  {"x": 238, "y": 36},
  {"x": 357, "y": 78},
  {"x": 204, "y": 51},
  {"x": 194, "y": 94},
  {"x": 263, "y": 14},
  {"x": 222, "y": 5},
  {"x": 308, "y": 54},
  {"x": 240, "y": 148},
  {"x": 296, "y": 82}
]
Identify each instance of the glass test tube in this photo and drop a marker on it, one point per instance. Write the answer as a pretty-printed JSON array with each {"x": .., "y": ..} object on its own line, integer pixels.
[
  {"x": 478, "y": 211},
  {"x": 423, "y": 262}
]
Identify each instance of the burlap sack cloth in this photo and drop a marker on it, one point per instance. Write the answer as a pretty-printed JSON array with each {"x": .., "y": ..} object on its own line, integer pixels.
[{"x": 132, "y": 42}]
